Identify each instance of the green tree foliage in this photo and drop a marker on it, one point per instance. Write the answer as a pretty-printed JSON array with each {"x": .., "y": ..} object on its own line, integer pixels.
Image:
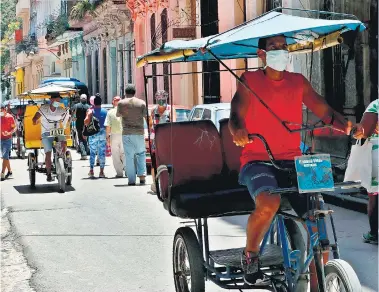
[
  {"x": 9, "y": 23},
  {"x": 82, "y": 7},
  {"x": 8, "y": 14}
]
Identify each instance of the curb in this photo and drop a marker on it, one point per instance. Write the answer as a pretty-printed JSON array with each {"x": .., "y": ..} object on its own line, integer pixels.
[{"x": 352, "y": 200}]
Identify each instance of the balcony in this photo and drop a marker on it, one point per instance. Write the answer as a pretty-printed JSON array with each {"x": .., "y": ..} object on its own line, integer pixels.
[{"x": 22, "y": 7}]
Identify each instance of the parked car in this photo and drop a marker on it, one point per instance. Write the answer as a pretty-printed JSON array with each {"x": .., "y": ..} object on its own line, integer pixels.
[{"x": 214, "y": 112}]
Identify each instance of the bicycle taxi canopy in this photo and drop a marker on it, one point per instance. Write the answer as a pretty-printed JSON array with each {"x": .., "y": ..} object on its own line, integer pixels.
[
  {"x": 198, "y": 172},
  {"x": 32, "y": 133},
  {"x": 303, "y": 35}
]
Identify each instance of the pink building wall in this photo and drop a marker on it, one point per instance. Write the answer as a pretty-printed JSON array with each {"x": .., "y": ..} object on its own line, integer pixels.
[{"x": 187, "y": 89}]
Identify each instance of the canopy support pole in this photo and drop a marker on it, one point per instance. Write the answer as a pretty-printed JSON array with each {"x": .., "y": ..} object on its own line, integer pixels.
[
  {"x": 145, "y": 81},
  {"x": 250, "y": 90},
  {"x": 171, "y": 93},
  {"x": 197, "y": 72}
]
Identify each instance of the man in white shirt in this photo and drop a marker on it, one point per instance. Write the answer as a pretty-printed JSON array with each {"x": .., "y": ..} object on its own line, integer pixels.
[
  {"x": 114, "y": 138},
  {"x": 48, "y": 113}
]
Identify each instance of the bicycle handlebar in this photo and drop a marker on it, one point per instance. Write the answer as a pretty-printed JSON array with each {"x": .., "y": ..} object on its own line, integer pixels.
[{"x": 274, "y": 162}]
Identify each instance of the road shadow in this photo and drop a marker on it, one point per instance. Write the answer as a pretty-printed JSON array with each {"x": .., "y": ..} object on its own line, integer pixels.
[
  {"x": 41, "y": 189},
  {"x": 87, "y": 166},
  {"x": 126, "y": 185}
]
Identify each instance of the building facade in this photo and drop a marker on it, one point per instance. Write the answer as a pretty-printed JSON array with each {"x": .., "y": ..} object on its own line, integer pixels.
[{"x": 104, "y": 54}]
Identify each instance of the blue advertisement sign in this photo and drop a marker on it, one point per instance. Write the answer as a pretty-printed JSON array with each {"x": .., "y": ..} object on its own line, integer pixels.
[{"x": 314, "y": 173}]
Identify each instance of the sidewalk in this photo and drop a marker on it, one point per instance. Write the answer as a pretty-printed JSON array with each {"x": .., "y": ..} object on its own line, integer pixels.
[
  {"x": 15, "y": 271},
  {"x": 353, "y": 199}
]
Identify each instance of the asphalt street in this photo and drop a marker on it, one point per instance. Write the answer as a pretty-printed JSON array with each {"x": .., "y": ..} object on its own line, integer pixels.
[{"x": 102, "y": 235}]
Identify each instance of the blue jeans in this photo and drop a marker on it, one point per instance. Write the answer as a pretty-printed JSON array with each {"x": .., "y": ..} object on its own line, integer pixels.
[
  {"x": 97, "y": 145},
  {"x": 134, "y": 149}
]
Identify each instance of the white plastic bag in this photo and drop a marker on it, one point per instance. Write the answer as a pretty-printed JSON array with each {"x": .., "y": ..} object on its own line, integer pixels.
[{"x": 359, "y": 166}]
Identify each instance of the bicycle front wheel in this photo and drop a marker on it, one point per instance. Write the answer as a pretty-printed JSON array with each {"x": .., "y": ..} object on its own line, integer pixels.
[
  {"x": 61, "y": 175},
  {"x": 340, "y": 277}
]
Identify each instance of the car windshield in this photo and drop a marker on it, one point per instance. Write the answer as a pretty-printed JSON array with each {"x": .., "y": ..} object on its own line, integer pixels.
[{"x": 182, "y": 115}]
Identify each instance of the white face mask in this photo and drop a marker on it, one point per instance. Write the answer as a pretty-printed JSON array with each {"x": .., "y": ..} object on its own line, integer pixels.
[
  {"x": 2, "y": 114},
  {"x": 56, "y": 104},
  {"x": 277, "y": 59}
]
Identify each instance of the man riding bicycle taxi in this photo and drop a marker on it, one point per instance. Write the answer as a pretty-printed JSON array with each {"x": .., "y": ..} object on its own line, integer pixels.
[
  {"x": 48, "y": 113},
  {"x": 284, "y": 93}
]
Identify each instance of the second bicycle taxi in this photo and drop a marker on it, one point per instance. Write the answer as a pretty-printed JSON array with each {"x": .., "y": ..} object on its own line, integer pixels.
[
  {"x": 197, "y": 170},
  {"x": 61, "y": 133}
]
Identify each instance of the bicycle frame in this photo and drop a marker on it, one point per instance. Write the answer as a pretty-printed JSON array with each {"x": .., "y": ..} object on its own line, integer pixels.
[{"x": 292, "y": 257}]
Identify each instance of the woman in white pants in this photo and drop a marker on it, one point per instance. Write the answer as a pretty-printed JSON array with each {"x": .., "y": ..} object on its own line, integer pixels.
[{"x": 114, "y": 138}]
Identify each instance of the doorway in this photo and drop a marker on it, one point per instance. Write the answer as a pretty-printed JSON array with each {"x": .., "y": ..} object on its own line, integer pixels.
[{"x": 209, "y": 26}]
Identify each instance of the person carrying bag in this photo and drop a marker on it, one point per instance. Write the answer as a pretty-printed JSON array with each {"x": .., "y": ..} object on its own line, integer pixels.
[
  {"x": 363, "y": 165},
  {"x": 92, "y": 128}
]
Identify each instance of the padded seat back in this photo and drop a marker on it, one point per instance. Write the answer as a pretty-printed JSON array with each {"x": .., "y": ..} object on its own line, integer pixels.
[
  {"x": 231, "y": 152},
  {"x": 192, "y": 148}
]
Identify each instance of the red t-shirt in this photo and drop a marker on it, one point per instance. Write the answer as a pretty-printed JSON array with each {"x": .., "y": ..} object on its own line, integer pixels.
[
  {"x": 285, "y": 99},
  {"x": 7, "y": 124}
]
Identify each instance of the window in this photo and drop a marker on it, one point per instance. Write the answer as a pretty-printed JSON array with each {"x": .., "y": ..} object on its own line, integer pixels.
[
  {"x": 182, "y": 115},
  {"x": 197, "y": 113},
  {"x": 153, "y": 45},
  {"x": 207, "y": 114},
  {"x": 130, "y": 69},
  {"x": 105, "y": 75},
  {"x": 97, "y": 68},
  {"x": 89, "y": 74},
  {"x": 272, "y": 4},
  {"x": 164, "y": 27},
  {"x": 121, "y": 58}
]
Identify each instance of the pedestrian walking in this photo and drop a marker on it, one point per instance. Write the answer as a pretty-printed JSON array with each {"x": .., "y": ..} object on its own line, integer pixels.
[
  {"x": 8, "y": 127},
  {"x": 161, "y": 113},
  {"x": 79, "y": 114},
  {"x": 133, "y": 112},
  {"x": 92, "y": 105},
  {"x": 113, "y": 128},
  {"x": 368, "y": 128},
  {"x": 97, "y": 142}
]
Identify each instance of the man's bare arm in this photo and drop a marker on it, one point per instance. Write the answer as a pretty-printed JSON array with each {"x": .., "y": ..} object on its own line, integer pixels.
[
  {"x": 36, "y": 118},
  {"x": 318, "y": 105},
  {"x": 239, "y": 107},
  {"x": 119, "y": 112},
  {"x": 367, "y": 126},
  {"x": 87, "y": 120}
]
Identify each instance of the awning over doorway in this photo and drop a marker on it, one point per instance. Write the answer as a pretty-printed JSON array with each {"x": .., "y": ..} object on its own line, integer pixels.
[{"x": 64, "y": 38}]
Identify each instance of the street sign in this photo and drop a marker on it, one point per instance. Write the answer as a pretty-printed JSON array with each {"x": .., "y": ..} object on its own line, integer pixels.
[{"x": 184, "y": 32}]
